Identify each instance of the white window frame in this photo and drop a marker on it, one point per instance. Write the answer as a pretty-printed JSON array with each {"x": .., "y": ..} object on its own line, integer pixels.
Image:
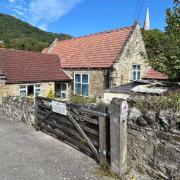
[
  {"x": 136, "y": 71},
  {"x": 66, "y": 91},
  {"x": 22, "y": 89},
  {"x": 37, "y": 88},
  {"x": 81, "y": 74},
  {"x": 26, "y": 89}
]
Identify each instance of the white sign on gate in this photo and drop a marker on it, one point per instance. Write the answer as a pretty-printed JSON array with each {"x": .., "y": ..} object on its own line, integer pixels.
[{"x": 59, "y": 107}]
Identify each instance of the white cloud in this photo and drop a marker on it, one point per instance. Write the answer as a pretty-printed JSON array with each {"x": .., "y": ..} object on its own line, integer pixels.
[
  {"x": 42, "y": 12},
  {"x": 19, "y": 8}
]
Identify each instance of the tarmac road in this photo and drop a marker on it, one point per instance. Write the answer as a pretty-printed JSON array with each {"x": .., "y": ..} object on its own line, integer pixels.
[{"x": 26, "y": 154}]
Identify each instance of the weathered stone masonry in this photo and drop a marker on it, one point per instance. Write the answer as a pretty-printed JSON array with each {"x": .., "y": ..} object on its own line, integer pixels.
[
  {"x": 154, "y": 144},
  {"x": 98, "y": 80},
  {"x": 134, "y": 52},
  {"x": 18, "y": 109}
]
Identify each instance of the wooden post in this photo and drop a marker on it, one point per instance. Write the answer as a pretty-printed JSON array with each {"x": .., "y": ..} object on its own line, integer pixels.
[
  {"x": 36, "y": 114},
  {"x": 103, "y": 136},
  {"x": 118, "y": 136}
]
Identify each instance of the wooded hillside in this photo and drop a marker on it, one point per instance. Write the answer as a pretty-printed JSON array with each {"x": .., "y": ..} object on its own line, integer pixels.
[{"x": 17, "y": 34}]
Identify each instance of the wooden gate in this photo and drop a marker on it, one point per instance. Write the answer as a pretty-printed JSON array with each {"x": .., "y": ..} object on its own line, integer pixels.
[{"x": 83, "y": 128}]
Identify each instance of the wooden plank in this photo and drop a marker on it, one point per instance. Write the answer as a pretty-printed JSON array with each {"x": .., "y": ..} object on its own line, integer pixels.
[
  {"x": 44, "y": 118},
  {"x": 103, "y": 122},
  {"x": 90, "y": 130},
  {"x": 85, "y": 118},
  {"x": 41, "y": 112},
  {"x": 97, "y": 113},
  {"x": 83, "y": 134},
  {"x": 44, "y": 107},
  {"x": 68, "y": 139},
  {"x": 118, "y": 135},
  {"x": 70, "y": 105},
  {"x": 70, "y": 131},
  {"x": 36, "y": 116},
  {"x": 68, "y": 121},
  {"x": 69, "y": 124},
  {"x": 43, "y": 99},
  {"x": 62, "y": 120},
  {"x": 103, "y": 140},
  {"x": 89, "y": 111}
]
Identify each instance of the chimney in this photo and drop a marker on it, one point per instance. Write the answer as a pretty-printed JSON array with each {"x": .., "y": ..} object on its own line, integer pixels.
[{"x": 147, "y": 25}]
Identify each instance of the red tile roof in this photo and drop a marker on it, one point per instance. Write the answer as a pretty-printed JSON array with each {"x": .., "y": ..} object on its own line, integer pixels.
[
  {"x": 152, "y": 74},
  {"x": 25, "y": 66},
  {"x": 98, "y": 50}
]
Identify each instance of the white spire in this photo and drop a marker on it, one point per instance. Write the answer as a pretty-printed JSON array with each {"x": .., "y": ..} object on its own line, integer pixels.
[{"x": 147, "y": 25}]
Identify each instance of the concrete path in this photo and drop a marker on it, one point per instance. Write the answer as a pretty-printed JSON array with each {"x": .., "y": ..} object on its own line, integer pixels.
[{"x": 26, "y": 154}]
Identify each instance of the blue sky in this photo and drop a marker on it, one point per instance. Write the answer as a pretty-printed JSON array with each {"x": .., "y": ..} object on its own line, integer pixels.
[{"x": 80, "y": 17}]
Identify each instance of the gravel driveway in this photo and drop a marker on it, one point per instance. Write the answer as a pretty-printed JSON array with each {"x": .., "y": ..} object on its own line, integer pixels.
[{"x": 26, "y": 154}]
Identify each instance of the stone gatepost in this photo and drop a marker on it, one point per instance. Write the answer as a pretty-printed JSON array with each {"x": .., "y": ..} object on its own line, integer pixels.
[{"x": 118, "y": 136}]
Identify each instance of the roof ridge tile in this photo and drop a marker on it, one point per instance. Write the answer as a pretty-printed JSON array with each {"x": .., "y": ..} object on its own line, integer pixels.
[{"x": 95, "y": 34}]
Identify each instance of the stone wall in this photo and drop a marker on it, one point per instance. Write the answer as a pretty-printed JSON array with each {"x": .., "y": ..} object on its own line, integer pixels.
[
  {"x": 18, "y": 109},
  {"x": 98, "y": 80},
  {"x": 154, "y": 144},
  {"x": 134, "y": 52}
]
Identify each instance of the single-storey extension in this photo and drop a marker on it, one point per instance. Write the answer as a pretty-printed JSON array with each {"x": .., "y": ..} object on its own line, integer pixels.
[{"x": 24, "y": 73}]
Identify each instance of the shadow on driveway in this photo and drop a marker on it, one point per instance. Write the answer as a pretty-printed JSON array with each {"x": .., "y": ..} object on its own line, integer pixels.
[{"x": 26, "y": 154}]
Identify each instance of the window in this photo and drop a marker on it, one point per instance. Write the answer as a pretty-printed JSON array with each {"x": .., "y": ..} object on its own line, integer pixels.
[
  {"x": 81, "y": 84},
  {"x": 37, "y": 90},
  {"x": 136, "y": 69},
  {"x": 62, "y": 91},
  {"x": 23, "y": 91},
  {"x": 30, "y": 90}
]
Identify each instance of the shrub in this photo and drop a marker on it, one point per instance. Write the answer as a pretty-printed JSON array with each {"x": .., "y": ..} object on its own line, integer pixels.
[
  {"x": 157, "y": 103},
  {"x": 51, "y": 94},
  {"x": 81, "y": 100}
]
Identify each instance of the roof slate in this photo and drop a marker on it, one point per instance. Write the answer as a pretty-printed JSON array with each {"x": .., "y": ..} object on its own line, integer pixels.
[
  {"x": 24, "y": 66},
  {"x": 98, "y": 50}
]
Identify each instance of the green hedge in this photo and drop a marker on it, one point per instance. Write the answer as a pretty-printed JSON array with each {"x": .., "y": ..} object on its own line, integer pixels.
[
  {"x": 81, "y": 100},
  {"x": 157, "y": 103}
]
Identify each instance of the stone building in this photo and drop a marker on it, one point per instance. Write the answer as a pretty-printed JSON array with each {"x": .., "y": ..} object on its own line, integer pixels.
[
  {"x": 102, "y": 60},
  {"x": 24, "y": 73}
]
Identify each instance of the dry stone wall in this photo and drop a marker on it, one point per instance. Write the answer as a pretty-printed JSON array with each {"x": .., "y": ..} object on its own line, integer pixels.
[
  {"x": 154, "y": 144},
  {"x": 18, "y": 109}
]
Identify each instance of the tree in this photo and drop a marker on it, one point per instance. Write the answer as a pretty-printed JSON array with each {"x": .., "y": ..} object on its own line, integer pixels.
[
  {"x": 163, "y": 48},
  {"x": 173, "y": 19},
  {"x": 21, "y": 35}
]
